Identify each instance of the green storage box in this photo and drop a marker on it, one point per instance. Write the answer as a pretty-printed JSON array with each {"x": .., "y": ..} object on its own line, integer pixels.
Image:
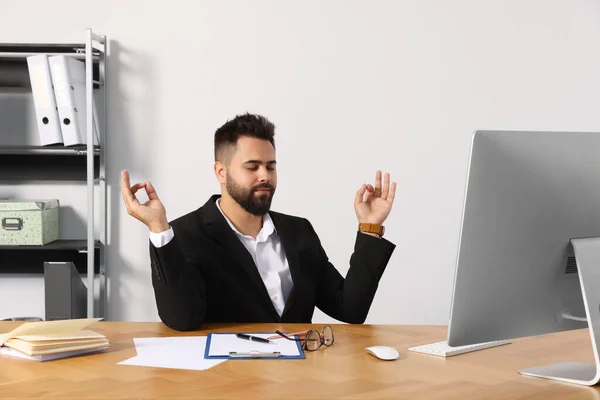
[{"x": 28, "y": 222}]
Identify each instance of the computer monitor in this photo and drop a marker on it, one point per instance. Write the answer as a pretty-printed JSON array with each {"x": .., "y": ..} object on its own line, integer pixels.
[{"x": 518, "y": 271}]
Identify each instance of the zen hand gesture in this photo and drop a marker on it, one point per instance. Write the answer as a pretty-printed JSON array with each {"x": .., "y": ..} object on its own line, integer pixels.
[
  {"x": 373, "y": 204},
  {"x": 152, "y": 213}
]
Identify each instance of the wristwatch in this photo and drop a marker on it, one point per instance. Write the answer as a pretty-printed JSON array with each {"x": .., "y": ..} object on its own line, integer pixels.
[{"x": 371, "y": 228}]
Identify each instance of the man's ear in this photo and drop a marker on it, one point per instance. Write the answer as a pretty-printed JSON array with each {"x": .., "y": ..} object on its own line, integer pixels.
[{"x": 220, "y": 172}]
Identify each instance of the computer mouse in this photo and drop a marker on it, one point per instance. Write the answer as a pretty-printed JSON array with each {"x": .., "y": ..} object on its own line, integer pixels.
[{"x": 383, "y": 352}]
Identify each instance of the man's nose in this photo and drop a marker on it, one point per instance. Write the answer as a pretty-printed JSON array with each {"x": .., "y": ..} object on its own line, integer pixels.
[{"x": 263, "y": 174}]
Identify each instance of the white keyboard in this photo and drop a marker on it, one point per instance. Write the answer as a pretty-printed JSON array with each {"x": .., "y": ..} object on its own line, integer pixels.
[{"x": 442, "y": 349}]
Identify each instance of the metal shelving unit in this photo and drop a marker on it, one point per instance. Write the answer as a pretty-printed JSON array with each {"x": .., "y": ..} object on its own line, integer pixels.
[{"x": 47, "y": 163}]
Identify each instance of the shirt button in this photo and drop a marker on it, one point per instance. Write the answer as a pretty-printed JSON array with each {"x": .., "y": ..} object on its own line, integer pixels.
[
  {"x": 274, "y": 298},
  {"x": 264, "y": 275}
]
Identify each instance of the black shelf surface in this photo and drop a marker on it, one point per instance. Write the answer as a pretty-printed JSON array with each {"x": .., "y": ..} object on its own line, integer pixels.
[
  {"x": 41, "y": 47},
  {"x": 46, "y": 163},
  {"x": 30, "y": 259}
]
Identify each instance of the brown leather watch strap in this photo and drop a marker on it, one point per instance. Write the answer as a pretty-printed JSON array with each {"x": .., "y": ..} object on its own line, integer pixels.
[{"x": 371, "y": 228}]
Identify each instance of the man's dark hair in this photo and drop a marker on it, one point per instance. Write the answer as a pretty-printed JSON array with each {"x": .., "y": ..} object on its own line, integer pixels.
[{"x": 251, "y": 125}]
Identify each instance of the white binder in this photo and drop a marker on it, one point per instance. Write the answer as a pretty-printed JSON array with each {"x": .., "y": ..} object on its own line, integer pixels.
[
  {"x": 68, "y": 75},
  {"x": 43, "y": 99}
]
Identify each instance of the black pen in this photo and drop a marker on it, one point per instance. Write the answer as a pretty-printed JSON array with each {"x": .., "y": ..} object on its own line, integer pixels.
[{"x": 252, "y": 338}]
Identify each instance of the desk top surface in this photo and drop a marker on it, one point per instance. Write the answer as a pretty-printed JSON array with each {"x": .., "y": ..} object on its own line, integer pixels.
[{"x": 344, "y": 370}]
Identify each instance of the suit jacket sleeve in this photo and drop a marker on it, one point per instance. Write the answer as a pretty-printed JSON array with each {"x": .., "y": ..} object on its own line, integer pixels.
[
  {"x": 349, "y": 300},
  {"x": 179, "y": 287}
]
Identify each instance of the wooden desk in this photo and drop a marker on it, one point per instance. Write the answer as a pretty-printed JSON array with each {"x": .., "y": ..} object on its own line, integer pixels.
[{"x": 344, "y": 370}]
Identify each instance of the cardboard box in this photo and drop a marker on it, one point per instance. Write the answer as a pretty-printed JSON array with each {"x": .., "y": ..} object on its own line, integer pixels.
[{"x": 28, "y": 222}]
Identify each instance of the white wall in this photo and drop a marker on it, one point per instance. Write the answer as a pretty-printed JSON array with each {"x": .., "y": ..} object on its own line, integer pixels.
[{"x": 351, "y": 86}]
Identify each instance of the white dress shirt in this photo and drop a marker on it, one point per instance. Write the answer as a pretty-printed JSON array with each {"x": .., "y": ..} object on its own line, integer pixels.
[{"x": 266, "y": 251}]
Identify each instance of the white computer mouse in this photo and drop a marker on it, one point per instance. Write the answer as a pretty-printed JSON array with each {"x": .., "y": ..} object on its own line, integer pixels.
[{"x": 383, "y": 352}]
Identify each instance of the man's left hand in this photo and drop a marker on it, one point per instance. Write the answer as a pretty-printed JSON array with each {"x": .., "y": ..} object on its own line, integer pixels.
[{"x": 373, "y": 204}]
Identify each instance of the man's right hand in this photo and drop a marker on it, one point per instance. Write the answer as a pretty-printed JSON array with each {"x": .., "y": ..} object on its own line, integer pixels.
[{"x": 152, "y": 213}]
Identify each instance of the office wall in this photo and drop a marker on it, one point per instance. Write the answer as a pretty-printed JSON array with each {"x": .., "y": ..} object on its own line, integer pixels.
[{"x": 351, "y": 86}]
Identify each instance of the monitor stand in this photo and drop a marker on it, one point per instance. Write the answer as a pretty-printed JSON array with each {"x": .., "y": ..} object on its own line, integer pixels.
[{"x": 587, "y": 256}]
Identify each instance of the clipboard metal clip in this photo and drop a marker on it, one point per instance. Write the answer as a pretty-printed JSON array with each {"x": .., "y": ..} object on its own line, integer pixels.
[{"x": 255, "y": 354}]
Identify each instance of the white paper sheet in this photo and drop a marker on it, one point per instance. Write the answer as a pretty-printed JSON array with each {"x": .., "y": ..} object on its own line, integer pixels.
[
  {"x": 171, "y": 352},
  {"x": 222, "y": 343}
]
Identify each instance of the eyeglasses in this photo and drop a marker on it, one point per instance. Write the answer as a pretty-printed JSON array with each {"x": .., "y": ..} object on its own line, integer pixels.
[{"x": 313, "y": 340}]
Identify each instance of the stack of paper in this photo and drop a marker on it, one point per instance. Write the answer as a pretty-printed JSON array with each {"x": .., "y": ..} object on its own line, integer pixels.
[
  {"x": 48, "y": 340},
  {"x": 171, "y": 352}
]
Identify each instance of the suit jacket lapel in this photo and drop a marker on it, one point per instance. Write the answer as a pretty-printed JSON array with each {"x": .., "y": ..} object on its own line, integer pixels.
[
  {"x": 221, "y": 232},
  {"x": 286, "y": 235}
]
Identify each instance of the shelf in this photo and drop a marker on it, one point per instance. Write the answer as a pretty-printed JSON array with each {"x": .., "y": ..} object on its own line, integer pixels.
[
  {"x": 41, "y": 47},
  {"x": 46, "y": 163},
  {"x": 23, "y": 50},
  {"x": 30, "y": 259},
  {"x": 14, "y": 72},
  {"x": 48, "y": 150}
]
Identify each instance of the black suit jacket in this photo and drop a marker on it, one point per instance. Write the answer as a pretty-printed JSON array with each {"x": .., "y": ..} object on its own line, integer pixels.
[{"x": 205, "y": 274}]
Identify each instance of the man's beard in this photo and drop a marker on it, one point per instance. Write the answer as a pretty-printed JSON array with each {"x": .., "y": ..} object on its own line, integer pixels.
[{"x": 254, "y": 204}]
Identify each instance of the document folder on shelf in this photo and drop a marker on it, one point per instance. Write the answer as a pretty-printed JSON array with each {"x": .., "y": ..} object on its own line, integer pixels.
[
  {"x": 68, "y": 76},
  {"x": 44, "y": 101},
  {"x": 228, "y": 346},
  {"x": 65, "y": 292}
]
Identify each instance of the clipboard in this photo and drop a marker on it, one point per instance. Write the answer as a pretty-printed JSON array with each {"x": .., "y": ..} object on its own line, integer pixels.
[{"x": 226, "y": 346}]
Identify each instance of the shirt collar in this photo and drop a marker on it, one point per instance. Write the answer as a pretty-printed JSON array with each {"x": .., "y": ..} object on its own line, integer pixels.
[{"x": 267, "y": 229}]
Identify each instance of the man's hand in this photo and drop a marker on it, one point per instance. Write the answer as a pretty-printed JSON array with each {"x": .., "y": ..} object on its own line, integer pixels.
[
  {"x": 373, "y": 204},
  {"x": 152, "y": 213}
]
